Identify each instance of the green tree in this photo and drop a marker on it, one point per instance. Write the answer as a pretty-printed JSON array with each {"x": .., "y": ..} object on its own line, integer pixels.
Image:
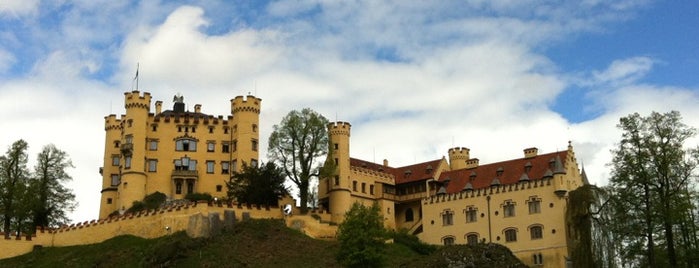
[
  {"x": 262, "y": 185},
  {"x": 296, "y": 145},
  {"x": 651, "y": 187},
  {"x": 13, "y": 178},
  {"x": 361, "y": 237},
  {"x": 52, "y": 198}
]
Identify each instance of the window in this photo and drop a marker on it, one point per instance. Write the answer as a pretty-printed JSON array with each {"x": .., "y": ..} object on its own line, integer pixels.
[
  {"x": 511, "y": 235},
  {"x": 234, "y": 168},
  {"x": 178, "y": 187},
  {"x": 253, "y": 162},
  {"x": 472, "y": 239},
  {"x": 225, "y": 130},
  {"x": 254, "y": 128},
  {"x": 337, "y": 180},
  {"x": 471, "y": 214},
  {"x": 354, "y": 186},
  {"x": 115, "y": 160},
  {"x": 336, "y": 146},
  {"x": 127, "y": 162},
  {"x": 371, "y": 189},
  {"x": 225, "y": 147},
  {"x": 219, "y": 188},
  {"x": 109, "y": 200},
  {"x": 234, "y": 145},
  {"x": 254, "y": 145},
  {"x": 225, "y": 167},
  {"x": 536, "y": 232},
  {"x": 116, "y": 144},
  {"x": 538, "y": 259},
  {"x": 363, "y": 187},
  {"x": 154, "y": 127},
  {"x": 188, "y": 145},
  {"x": 129, "y": 139},
  {"x": 210, "y": 146},
  {"x": 115, "y": 180},
  {"x": 185, "y": 163},
  {"x": 447, "y": 217},
  {"x": 448, "y": 241},
  {"x": 211, "y": 129},
  {"x": 409, "y": 215},
  {"x": 153, "y": 145},
  {"x": 336, "y": 161},
  {"x": 509, "y": 208},
  {"x": 209, "y": 167},
  {"x": 190, "y": 187},
  {"x": 534, "y": 205},
  {"x": 152, "y": 165}
]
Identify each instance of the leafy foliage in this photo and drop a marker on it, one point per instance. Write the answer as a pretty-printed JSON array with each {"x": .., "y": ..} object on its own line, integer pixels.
[
  {"x": 262, "y": 185},
  {"x": 361, "y": 237},
  {"x": 296, "y": 144},
  {"x": 194, "y": 197},
  {"x": 651, "y": 192},
  {"x": 403, "y": 237},
  {"x": 151, "y": 201}
]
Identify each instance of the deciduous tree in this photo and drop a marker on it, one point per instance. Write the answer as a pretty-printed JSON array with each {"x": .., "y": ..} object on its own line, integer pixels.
[
  {"x": 262, "y": 185},
  {"x": 52, "y": 198},
  {"x": 361, "y": 237},
  {"x": 13, "y": 178},
  {"x": 296, "y": 145}
]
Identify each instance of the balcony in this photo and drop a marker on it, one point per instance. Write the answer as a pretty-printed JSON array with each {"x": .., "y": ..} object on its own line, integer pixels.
[{"x": 185, "y": 173}]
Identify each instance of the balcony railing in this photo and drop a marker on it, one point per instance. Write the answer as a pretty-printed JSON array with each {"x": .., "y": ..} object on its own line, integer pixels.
[
  {"x": 127, "y": 149},
  {"x": 185, "y": 173}
]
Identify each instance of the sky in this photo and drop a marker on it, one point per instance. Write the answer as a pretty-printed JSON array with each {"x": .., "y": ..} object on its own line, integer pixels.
[{"x": 414, "y": 78}]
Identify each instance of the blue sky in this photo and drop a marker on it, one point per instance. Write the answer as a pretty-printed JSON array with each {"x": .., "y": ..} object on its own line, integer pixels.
[{"x": 413, "y": 77}]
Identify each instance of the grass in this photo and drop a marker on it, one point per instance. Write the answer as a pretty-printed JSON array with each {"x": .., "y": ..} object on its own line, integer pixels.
[{"x": 252, "y": 243}]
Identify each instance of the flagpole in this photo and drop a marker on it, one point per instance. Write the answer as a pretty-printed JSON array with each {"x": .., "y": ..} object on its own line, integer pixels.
[{"x": 137, "y": 66}]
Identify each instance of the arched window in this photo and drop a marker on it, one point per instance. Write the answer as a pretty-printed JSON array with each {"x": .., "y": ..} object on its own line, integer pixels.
[
  {"x": 511, "y": 235},
  {"x": 409, "y": 215},
  {"x": 448, "y": 240},
  {"x": 472, "y": 239},
  {"x": 536, "y": 231}
]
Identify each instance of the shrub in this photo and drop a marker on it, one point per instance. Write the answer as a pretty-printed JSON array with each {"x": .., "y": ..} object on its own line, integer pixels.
[
  {"x": 194, "y": 197},
  {"x": 361, "y": 237}
]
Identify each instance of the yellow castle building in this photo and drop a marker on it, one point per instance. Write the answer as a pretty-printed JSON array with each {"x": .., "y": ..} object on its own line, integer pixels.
[
  {"x": 520, "y": 203},
  {"x": 175, "y": 152}
]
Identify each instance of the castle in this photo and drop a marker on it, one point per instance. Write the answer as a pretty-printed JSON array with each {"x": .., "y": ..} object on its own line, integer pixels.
[
  {"x": 175, "y": 152},
  {"x": 520, "y": 203}
]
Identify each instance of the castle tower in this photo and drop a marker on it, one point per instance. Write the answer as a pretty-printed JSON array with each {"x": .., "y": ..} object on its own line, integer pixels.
[
  {"x": 245, "y": 133},
  {"x": 133, "y": 144},
  {"x": 339, "y": 185},
  {"x": 458, "y": 156},
  {"x": 110, "y": 171}
]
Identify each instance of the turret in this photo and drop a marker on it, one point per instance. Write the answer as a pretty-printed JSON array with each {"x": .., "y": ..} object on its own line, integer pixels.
[
  {"x": 244, "y": 128},
  {"x": 133, "y": 144},
  {"x": 458, "y": 157},
  {"x": 110, "y": 171},
  {"x": 339, "y": 185}
]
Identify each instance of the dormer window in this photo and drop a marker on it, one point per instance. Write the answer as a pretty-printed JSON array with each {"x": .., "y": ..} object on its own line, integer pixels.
[
  {"x": 472, "y": 177},
  {"x": 429, "y": 169},
  {"x": 499, "y": 171},
  {"x": 528, "y": 167}
]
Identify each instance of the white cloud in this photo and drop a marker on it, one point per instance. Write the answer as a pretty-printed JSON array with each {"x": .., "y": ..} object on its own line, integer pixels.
[
  {"x": 18, "y": 7},
  {"x": 6, "y": 60},
  {"x": 624, "y": 72}
]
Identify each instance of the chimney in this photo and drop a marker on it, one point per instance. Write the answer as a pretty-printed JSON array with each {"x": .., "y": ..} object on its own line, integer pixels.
[
  {"x": 197, "y": 108},
  {"x": 385, "y": 162},
  {"x": 472, "y": 163},
  {"x": 531, "y": 152},
  {"x": 158, "y": 107}
]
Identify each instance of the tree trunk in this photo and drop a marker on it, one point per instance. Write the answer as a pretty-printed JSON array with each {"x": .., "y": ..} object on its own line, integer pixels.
[
  {"x": 303, "y": 195},
  {"x": 669, "y": 236},
  {"x": 649, "y": 226}
]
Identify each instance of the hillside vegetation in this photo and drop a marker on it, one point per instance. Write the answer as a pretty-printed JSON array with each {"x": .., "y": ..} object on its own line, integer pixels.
[{"x": 253, "y": 243}]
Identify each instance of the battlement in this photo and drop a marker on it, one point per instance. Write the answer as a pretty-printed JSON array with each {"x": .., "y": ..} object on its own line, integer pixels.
[
  {"x": 493, "y": 190},
  {"x": 134, "y": 99},
  {"x": 339, "y": 128},
  {"x": 247, "y": 103},
  {"x": 459, "y": 152},
  {"x": 111, "y": 122}
]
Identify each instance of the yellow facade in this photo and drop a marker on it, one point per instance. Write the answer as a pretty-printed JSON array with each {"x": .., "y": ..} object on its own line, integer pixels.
[
  {"x": 176, "y": 151},
  {"x": 520, "y": 203}
]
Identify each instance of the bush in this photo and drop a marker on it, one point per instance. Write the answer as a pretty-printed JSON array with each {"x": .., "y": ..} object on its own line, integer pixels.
[
  {"x": 194, "y": 197},
  {"x": 361, "y": 237},
  {"x": 412, "y": 242}
]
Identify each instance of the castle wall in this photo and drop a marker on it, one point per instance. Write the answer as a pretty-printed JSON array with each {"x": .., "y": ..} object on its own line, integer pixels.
[{"x": 491, "y": 223}]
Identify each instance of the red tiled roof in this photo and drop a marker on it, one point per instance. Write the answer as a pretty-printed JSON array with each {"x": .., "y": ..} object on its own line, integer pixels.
[
  {"x": 411, "y": 173},
  {"x": 512, "y": 171}
]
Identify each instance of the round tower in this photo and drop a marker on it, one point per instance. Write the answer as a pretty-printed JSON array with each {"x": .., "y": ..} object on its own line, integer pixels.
[
  {"x": 458, "y": 157},
  {"x": 133, "y": 148},
  {"x": 245, "y": 128},
  {"x": 112, "y": 127},
  {"x": 339, "y": 190}
]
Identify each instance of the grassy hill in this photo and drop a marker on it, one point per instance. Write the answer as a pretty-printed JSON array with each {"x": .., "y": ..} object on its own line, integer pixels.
[{"x": 253, "y": 243}]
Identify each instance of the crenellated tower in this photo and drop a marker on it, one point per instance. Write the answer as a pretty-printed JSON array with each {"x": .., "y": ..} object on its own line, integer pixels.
[
  {"x": 244, "y": 129},
  {"x": 458, "y": 156},
  {"x": 110, "y": 173},
  {"x": 339, "y": 184},
  {"x": 134, "y": 126}
]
